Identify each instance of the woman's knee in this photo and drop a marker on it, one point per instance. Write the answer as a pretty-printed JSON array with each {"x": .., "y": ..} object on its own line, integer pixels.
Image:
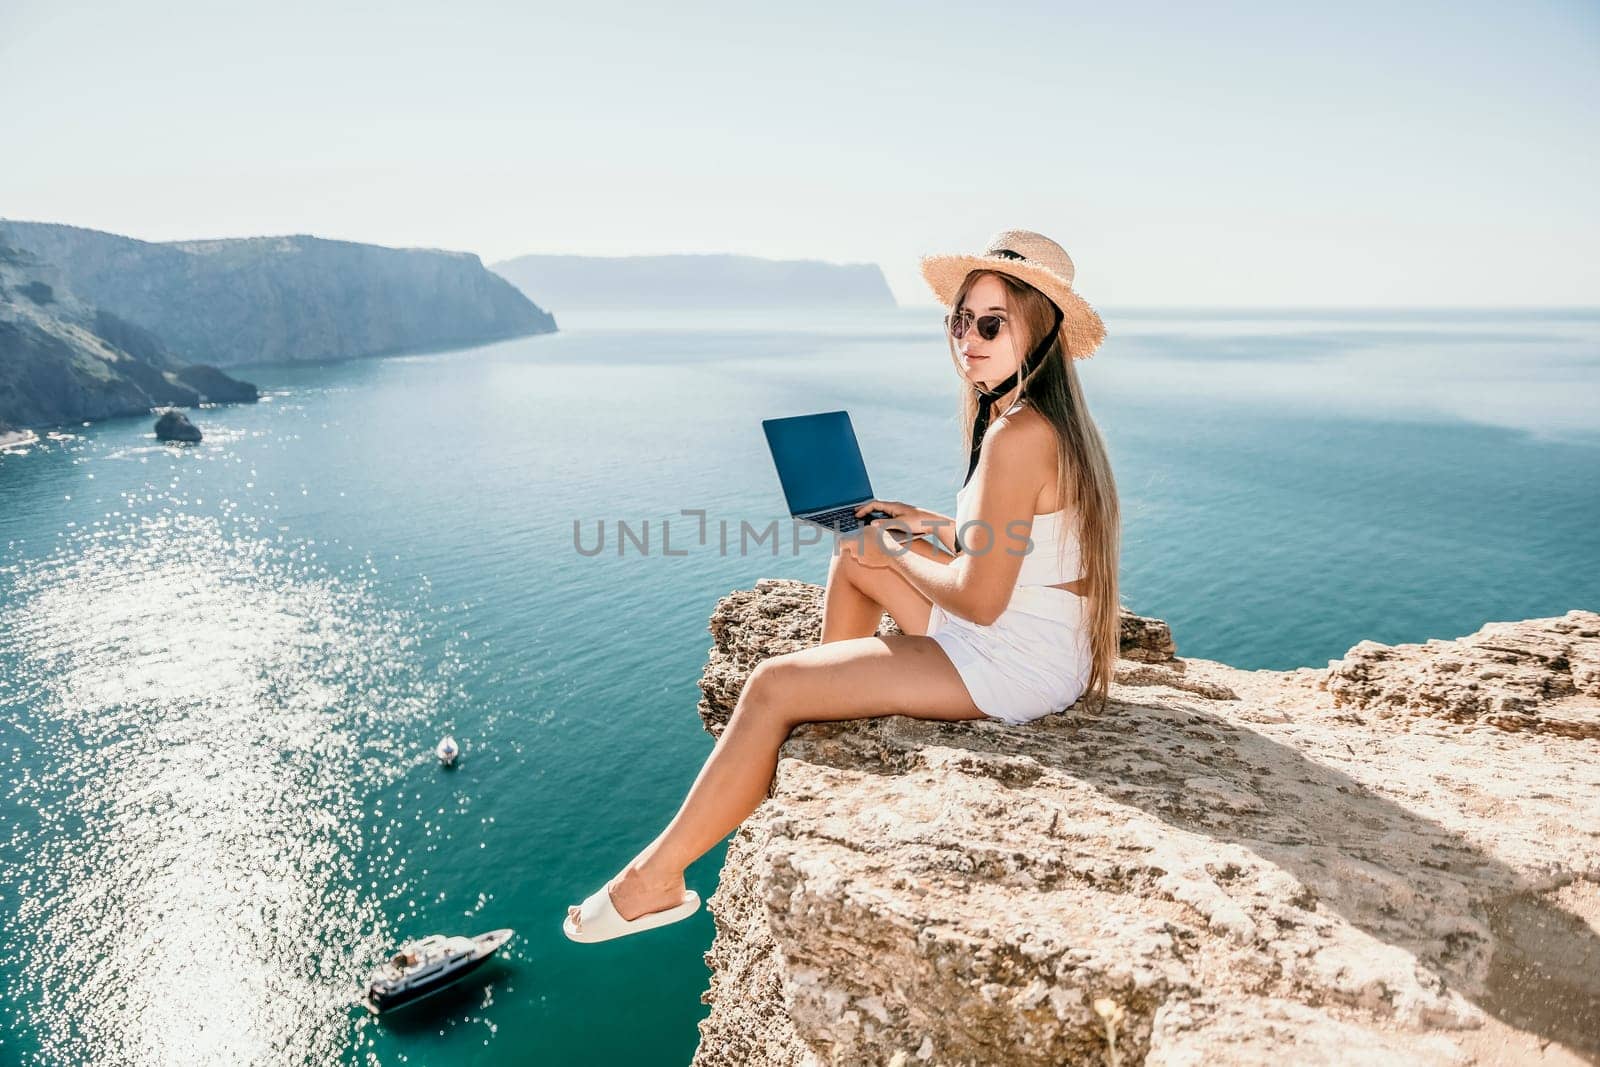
[
  {"x": 841, "y": 568},
  {"x": 767, "y": 689},
  {"x": 850, "y": 568},
  {"x": 766, "y": 680}
]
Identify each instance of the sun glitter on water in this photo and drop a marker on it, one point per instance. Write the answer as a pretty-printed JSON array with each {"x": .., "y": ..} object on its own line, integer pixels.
[{"x": 200, "y": 713}]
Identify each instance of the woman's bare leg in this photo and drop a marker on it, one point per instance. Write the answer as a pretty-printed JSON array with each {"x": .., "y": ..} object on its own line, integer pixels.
[
  {"x": 858, "y": 595},
  {"x": 847, "y": 611},
  {"x": 847, "y": 679}
]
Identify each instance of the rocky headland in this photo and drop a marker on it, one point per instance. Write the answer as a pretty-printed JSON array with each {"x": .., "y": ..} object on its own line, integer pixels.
[
  {"x": 1391, "y": 860},
  {"x": 64, "y": 360},
  {"x": 713, "y": 280},
  {"x": 285, "y": 299}
]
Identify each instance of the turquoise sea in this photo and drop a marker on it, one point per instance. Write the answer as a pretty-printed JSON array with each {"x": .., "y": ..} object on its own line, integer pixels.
[{"x": 223, "y": 668}]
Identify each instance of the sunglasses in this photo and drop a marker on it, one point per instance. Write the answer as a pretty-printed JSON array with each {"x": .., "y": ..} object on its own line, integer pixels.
[{"x": 988, "y": 325}]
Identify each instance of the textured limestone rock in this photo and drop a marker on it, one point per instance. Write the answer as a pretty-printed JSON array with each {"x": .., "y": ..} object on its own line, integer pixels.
[
  {"x": 1538, "y": 675},
  {"x": 1311, "y": 866}
]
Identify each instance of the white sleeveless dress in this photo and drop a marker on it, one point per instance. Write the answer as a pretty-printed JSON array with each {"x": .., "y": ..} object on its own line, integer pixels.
[{"x": 1035, "y": 658}]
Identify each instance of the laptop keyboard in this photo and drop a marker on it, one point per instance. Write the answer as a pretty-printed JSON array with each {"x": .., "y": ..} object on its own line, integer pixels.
[{"x": 841, "y": 519}]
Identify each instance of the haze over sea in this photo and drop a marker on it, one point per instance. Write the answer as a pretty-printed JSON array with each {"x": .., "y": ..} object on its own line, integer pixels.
[{"x": 223, "y": 668}]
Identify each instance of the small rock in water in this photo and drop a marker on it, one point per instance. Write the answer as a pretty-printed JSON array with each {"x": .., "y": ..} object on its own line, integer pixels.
[{"x": 175, "y": 426}]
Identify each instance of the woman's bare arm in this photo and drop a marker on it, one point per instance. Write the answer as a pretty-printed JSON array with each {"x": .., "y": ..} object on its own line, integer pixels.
[
  {"x": 916, "y": 521},
  {"x": 977, "y": 586},
  {"x": 942, "y": 527}
]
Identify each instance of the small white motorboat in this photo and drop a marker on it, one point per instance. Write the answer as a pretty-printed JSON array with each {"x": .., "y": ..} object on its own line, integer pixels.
[
  {"x": 447, "y": 750},
  {"x": 421, "y": 968}
]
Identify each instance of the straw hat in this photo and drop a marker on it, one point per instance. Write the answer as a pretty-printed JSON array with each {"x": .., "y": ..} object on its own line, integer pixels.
[{"x": 1032, "y": 258}]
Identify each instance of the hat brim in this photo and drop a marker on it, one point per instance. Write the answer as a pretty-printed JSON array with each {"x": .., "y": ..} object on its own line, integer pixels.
[{"x": 1079, "y": 322}]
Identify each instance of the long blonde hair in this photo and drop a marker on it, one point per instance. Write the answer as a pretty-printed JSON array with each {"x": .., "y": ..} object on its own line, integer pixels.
[{"x": 1086, "y": 486}]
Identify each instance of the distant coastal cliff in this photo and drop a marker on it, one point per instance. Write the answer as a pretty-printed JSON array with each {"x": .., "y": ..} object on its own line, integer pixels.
[
  {"x": 1393, "y": 860},
  {"x": 695, "y": 281},
  {"x": 284, "y": 299},
  {"x": 63, "y": 360}
]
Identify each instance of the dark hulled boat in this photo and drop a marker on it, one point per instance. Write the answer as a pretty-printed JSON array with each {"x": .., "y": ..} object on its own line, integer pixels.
[{"x": 424, "y": 967}]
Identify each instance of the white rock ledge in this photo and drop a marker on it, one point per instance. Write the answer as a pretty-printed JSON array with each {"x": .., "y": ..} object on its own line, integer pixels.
[{"x": 1394, "y": 860}]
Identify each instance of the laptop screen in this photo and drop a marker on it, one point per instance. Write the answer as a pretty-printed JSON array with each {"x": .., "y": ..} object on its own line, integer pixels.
[{"x": 818, "y": 460}]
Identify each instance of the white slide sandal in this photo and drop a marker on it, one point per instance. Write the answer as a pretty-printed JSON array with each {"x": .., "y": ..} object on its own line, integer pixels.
[{"x": 600, "y": 922}]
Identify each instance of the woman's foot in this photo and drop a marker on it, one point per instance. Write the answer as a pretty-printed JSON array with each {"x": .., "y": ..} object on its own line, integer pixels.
[{"x": 634, "y": 893}]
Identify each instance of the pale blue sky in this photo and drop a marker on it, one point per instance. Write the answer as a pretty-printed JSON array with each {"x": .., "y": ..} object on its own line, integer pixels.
[{"x": 1245, "y": 155}]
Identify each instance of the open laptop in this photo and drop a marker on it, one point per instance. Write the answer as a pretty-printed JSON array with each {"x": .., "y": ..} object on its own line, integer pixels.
[{"x": 820, "y": 466}]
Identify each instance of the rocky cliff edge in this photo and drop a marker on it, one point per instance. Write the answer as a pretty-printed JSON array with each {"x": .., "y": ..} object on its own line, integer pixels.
[{"x": 1393, "y": 860}]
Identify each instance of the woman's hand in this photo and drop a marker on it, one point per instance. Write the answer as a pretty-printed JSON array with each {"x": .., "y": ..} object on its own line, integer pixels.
[
  {"x": 875, "y": 544},
  {"x": 913, "y": 520}
]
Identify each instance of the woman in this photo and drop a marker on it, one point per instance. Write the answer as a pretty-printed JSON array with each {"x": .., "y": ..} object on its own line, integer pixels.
[{"x": 1018, "y": 619}]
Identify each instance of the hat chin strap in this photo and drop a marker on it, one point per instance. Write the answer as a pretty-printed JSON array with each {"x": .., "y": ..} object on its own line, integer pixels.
[{"x": 980, "y": 424}]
